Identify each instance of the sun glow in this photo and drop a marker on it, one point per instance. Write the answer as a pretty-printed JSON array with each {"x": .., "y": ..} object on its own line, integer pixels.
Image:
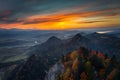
[{"x": 62, "y": 21}]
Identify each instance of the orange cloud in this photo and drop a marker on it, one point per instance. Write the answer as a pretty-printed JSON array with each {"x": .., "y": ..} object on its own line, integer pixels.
[{"x": 63, "y": 20}]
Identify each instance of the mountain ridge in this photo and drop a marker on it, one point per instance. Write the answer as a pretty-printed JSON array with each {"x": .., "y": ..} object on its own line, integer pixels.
[{"x": 54, "y": 48}]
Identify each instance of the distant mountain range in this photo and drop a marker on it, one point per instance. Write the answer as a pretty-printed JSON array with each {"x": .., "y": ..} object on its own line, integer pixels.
[
  {"x": 44, "y": 55},
  {"x": 100, "y": 42}
]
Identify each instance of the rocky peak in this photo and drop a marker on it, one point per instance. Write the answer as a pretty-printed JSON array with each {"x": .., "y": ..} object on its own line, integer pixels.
[{"x": 53, "y": 38}]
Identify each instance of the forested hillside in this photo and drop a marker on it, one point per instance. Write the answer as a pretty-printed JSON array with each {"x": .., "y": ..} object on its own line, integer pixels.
[{"x": 84, "y": 64}]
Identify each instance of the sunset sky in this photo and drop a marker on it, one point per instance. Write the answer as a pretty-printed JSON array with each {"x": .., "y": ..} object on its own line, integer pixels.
[{"x": 59, "y": 14}]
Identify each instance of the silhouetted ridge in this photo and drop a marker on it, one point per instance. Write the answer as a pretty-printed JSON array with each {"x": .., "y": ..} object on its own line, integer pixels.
[
  {"x": 77, "y": 37},
  {"x": 53, "y": 39},
  {"x": 32, "y": 69}
]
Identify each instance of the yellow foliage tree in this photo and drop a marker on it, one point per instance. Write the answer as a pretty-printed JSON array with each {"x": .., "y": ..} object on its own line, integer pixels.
[
  {"x": 88, "y": 66},
  {"x": 89, "y": 70},
  {"x": 75, "y": 64},
  {"x": 74, "y": 54},
  {"x": 66, "y": 74}
]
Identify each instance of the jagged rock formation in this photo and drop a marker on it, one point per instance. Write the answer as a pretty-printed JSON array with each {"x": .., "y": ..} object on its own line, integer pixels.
[{"x": 53, "y": 73}]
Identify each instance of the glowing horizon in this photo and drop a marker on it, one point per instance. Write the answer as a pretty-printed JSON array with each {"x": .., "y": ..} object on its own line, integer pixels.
[{"x": 75, "y": 16}]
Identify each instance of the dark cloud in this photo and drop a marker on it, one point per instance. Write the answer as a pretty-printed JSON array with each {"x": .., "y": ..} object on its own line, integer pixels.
[
  {"x": 94, "y": 21},
  {"x": 41, "y": 20}
]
